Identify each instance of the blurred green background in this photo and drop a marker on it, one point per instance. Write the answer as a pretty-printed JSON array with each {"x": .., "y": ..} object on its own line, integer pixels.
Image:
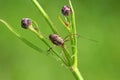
[{"x": 96, "y": 19}]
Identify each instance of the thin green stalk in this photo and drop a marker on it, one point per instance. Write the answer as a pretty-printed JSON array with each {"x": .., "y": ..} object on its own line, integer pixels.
[
  {"x": 49, "y": 21},
  {"x": 67, "y": 56},
  {"x": 74, "y": 40},
  {"x": 63, "y": 23},
  {"x": 20, "y": 37},
  {"x": 74, "y": 69},
  {"x": 43, "y": 39},
  {"x": 77, "y": 74}
]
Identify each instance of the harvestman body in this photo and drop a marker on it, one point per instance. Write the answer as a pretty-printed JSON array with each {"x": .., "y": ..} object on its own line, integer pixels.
[{"x": 56, "y": 39}]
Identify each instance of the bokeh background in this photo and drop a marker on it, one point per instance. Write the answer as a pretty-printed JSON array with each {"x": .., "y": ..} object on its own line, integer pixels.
[{"x": 96, "y": 19}]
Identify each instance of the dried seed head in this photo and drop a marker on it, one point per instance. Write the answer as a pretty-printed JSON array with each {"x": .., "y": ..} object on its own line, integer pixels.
[
  {"x": 57, "y": 40},
  {"x": 66, "y": 11},
  {"x": 25, "y": 23}
]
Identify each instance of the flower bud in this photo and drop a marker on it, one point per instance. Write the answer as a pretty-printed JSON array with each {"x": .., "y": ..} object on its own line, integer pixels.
[
  {"x": 25, "y": 23},
  {"x": 66, "y": 11}
]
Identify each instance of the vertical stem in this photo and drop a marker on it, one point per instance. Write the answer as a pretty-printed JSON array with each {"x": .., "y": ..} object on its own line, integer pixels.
[
  {"x": 74, "y": 69},
  {"x": 77, "y": 74},
  {"x": 74, "y": 40}
]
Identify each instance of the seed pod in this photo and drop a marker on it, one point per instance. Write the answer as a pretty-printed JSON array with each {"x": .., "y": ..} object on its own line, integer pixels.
[
  {"x": 66, "y": 11},
  {"x": 57, "y": 40},
  {"x": 25, "y": 23}
]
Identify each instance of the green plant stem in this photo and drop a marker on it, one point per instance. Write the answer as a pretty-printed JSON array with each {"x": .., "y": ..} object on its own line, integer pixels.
[
  {"x": 67, "y": 56},
  {"x": 28, "y": 42},
  {"x": 44, "y": 41},
  {"x": 20, "y": 37},
  {"x": 76, "y": 73},
  {"x": 74, "y": 40},
  {"x": 49, "y": 21},
  {"x": 74, "y": 69}
]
